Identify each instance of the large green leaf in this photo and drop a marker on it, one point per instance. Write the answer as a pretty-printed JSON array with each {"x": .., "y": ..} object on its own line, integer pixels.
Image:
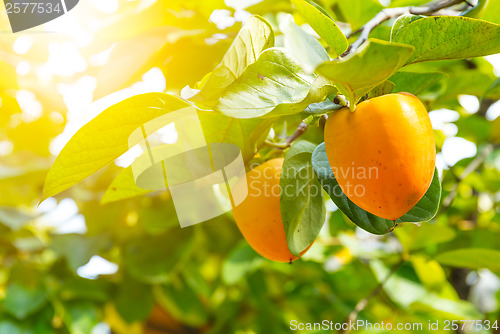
[
  {"x": 485, "y": 10},
  {"x": 366, "y": 68},
  {"x": 408, "y": 293},
  {"x": 415, "y": 82},
  {"x": 301, "y": 201},
  {"x": 424, "y": 210},
  {"x": 22, "y": 300},
  {"x": 105, "y": 138},
  {"x": 414, "y": 237},
  {"x": 473, "y": 258},
  {"x": 449, "y": 37},
  {"x": 323, "y": 25},
  {"x": 255, "y": 36},
  {"x": 274, "y": 85},
  {"x": 303, "y": 47},
  {"x": 490, "y": 11}
]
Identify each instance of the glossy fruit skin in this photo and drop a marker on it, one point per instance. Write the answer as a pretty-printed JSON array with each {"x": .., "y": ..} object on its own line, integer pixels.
[
  {"x": 259, "y": 218},
  {"x": 390, "y": 138}
]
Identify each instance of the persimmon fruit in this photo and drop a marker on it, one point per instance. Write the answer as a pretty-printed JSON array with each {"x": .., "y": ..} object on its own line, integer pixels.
[
  {"x": 258, "y": 217},
  {"x": 383, "y": 153}
]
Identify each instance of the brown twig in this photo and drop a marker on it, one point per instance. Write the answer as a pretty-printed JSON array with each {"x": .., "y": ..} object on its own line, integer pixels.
[
  {"x": 389, "y": 13},
  {"x": 360, "y": 306},
  {"x": 474, "y": 164},
  {"x": 301, "y": 129}
]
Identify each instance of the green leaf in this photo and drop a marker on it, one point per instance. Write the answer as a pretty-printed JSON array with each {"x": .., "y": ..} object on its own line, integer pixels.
[
  {"x": 255, "y": 36},
  {"x": 22, "y": 300},
  {"x": 274, "y": 85},
  {"x": 247, "y": 134},
  {"x": 430, "y": 273},
  {"x": 449, "y": 37},
  {"x": 324, "y": 26},
  {"x": 358, "y": 12},
  {"x": 105, "y": 138},
  {"x": 384, "y": 88},
  {"x": 303, "y": 47},
  {"x": 240, "y": 262},
  {"x": 428, "y": 205},
  {"x": 402, "y": 22},
  {"x": 8, "y": 326},
  {"x": 494, "y": 91},
  {"x": 403, "y": 3},
  {"x": 321, "y": 108},
  {"x": 150, "y": 259},
  {"x": 133, "y": 300},
  {"x": 301, "y": 201},
  {"x": 473, "y": 258},
  {"x": 369, "y": 66},
  {"x": 122, "y": 187},
  {"x": 78, "y": 249},
  {"x": 414, "y": 237},
  {"x": 424, "y": 210},
  {"x": 182, "y": 302},
  {"x": 485, "y": 10},
  {"x": 408, "y": 293},
  {"x": 80, "y": 317},
  {"x": 415, "y": 82}
]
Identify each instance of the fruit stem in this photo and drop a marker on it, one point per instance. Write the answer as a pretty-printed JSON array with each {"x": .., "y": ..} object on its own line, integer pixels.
[{"x": 341, "y": 100}]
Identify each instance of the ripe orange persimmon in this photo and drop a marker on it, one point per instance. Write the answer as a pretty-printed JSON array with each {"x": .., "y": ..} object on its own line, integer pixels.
[
  {"x": 383, "y": 153},
  {"x": 259, "y": 218}
]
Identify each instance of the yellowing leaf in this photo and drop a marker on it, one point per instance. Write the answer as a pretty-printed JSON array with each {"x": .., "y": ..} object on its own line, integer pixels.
[{"x": 105, "y": 138}]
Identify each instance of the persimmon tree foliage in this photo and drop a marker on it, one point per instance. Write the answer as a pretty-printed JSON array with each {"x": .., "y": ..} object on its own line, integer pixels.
[{"x": 284, "y": 86}]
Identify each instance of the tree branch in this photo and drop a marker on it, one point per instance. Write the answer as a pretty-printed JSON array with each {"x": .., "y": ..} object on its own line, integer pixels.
[
  {"x": 301, "y": 129},
  {"x": 389, "y": 13},
  {"x": 360, "y": 306},
  {"x": 468, "y": 170}
]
